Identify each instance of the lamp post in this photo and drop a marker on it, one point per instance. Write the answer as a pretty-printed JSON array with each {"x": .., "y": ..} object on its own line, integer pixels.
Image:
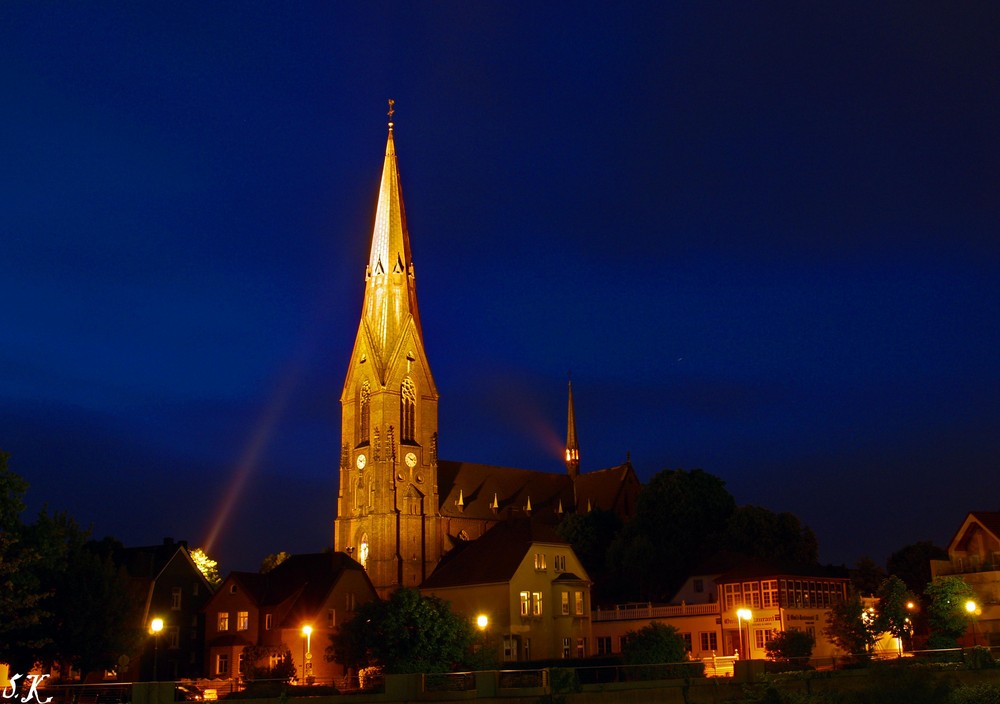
[
  {"x": 972, "y": 608},
  {"x": 307, "y": 667},
  {"x": 155, "y": 626},
  {"x": 741, "y": 616}
]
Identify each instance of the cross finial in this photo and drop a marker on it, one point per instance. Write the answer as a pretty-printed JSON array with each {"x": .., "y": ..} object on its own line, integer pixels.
[{"x": 392, "y": 110}]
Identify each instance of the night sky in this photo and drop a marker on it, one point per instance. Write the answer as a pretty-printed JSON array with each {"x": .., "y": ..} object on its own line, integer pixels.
[{"x": 762, "y": 237}]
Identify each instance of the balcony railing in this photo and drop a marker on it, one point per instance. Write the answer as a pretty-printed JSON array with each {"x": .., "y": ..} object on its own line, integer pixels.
[{"x": 629, "y": 612}]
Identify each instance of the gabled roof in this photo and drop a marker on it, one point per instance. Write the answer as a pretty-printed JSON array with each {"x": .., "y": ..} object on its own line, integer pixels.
[
  {"x": 302, "y": 582},
  {"x": 478, "y": 484},
  {"x": 601, "y": 488},
  {"x": 987, "y": 520},
  {"x": 147, "y": 561},
  {"x": 493, "y": 558}
]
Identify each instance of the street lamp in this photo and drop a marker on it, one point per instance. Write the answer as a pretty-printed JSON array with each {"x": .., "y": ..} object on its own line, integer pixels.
[
  {"x": 307, "y": 632},
  {"x": 482, "y": 621},
  {"x": 741, "y": 616},
  {"x": 972, "y": 608},
  {"x": 155, "y": 626}
]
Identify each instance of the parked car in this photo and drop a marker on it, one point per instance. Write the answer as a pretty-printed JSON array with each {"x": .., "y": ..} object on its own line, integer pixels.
[{"x": 188, "y": 693}]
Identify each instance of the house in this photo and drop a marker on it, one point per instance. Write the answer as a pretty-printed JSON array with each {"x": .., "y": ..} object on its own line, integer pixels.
[
  {"x": 528, "y": 583},
  {"x": 256, "y": 619},
  {"x": 735, "y": 605},
  {"x": 974, "y": 555},
  {"x": 167, "y": 585}
]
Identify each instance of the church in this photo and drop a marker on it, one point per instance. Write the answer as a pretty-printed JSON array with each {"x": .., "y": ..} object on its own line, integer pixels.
[{"x": 401, "y": 509}]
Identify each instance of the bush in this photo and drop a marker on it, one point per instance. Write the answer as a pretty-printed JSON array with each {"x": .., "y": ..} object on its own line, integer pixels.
[
  {"x": 653, "y": 644},
  {"x": 975, "y": 694},
  {"x": 791, "y": 645}
]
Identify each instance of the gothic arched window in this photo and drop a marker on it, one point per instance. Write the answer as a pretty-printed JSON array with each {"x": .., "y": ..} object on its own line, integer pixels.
[
  {"x": 407, "y": 410},
  {"x": 364, "y": 412}
]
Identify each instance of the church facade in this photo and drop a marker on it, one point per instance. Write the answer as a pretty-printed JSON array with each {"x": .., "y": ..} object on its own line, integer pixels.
[{"x": 399, "y": 508}]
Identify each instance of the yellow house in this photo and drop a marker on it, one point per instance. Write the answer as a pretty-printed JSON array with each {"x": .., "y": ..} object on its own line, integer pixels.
[
  {"x": 528, "y": 584},
  {"x": 974, "y": 555}
]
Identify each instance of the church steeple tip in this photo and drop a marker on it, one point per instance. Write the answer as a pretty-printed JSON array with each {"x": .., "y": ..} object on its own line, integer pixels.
[{"x": 572, "y": 447}]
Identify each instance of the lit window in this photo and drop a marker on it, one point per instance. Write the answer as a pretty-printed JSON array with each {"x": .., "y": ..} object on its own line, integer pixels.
[
  {"x": 560, "y": 563},
  {"x": 536, "y": 603},
  {"x": 222, "y": 664},
  {"x": 363, "y": 552},
  {"x": 525, "y": 603},
  {"x": 223, "y": 621},
  {"x": 539, "y": 561},
  {"x": 267, "y": 622},
  {"x": 242, "y": 620},
  {"x": 564, "y": 596},
  {"x": 175, "y": 599},
  {"x": 762, "y": 637},
  {"x": 578, "y": 603}
]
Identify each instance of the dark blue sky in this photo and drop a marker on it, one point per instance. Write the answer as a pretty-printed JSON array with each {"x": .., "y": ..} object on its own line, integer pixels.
[{"x": 763, "y": 237}]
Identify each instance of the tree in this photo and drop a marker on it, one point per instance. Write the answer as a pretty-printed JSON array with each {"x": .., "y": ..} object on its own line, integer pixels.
[
  {"x": 21, "y": 592},
  {"x": 912, "y": 564},
  {"x": 258, "y": 658},
  {"x": 591, "y": 534},
  {"x": 849, "y": 627},
  {"x": 776, "y": 537},
  {"x": 946, "y": 611},
  {"x": 207, "y": 566},
  {"x": 653, "y": 644},
  {"x": 672, "y": 530},
  {"x": 272, "y": 561},
  {"x": 867, "y": 576},
  {"x": 893, "y": 616},
  {"x": 406, "y": 633},
  {"x": 790, "y": 645}
]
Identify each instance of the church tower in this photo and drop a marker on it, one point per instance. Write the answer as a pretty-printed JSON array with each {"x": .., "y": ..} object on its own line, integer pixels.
[{"x": 387, "y": 505}]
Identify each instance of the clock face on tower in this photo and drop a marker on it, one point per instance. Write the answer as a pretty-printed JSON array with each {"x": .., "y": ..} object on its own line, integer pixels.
[
  {"x": 362, "y": 460},
  {"x": 411, "y": 459}
]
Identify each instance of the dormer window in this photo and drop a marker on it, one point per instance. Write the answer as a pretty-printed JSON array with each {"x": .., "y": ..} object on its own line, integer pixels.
[{"x": 540, "y": 561}]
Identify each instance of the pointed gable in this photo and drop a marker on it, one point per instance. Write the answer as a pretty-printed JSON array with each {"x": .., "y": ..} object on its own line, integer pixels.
[{"x": 978, "y": 536}]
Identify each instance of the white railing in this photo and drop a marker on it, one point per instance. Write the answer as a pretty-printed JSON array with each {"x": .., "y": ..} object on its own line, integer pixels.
[{"x": 636, "y": 612}]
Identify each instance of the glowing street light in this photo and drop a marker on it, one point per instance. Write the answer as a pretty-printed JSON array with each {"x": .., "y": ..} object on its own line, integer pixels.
[
  {"x": 482, "y": 621},
  {"x": 307, "y": 632},
  {"x": 973, "y": 610},
  {"x": 155, "y": 626},
  {"x": 741, "y": 616}
]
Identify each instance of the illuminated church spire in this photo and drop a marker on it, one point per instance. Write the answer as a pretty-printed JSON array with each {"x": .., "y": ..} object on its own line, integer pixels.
[
  {"x": 390, "y": 289},
  {"x": 572, "y": 447},
  {"x": 388, "y": 497}
]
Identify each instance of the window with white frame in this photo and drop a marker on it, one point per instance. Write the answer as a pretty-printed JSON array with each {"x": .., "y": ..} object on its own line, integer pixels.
[
  {"x": 223, "y": 621},
  {"x": 536, "y": 603},
  {"x": 540, "y": 561},
  {"x": 686, "y": 637},
  {"x": 559, "y": 562},
  {"x": 578, "y": 603},
  {"x": 751, "y": 594},
  {"x": 565, "y": 648},
  {"x": 709, "y": 641},
  {"x": 604, "y": 645},
  {"x": 564, "y": 602},
  {"x": 733, "y": 596},
  {"x": 525, "y": 603},
  {"x": 761, "y": 637},
  {"x": 242, "y": 620},
  {"x": 222, "y": 664},
  {"x": 769, "y": 593},
  {"x": 174, "y": 637}
]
